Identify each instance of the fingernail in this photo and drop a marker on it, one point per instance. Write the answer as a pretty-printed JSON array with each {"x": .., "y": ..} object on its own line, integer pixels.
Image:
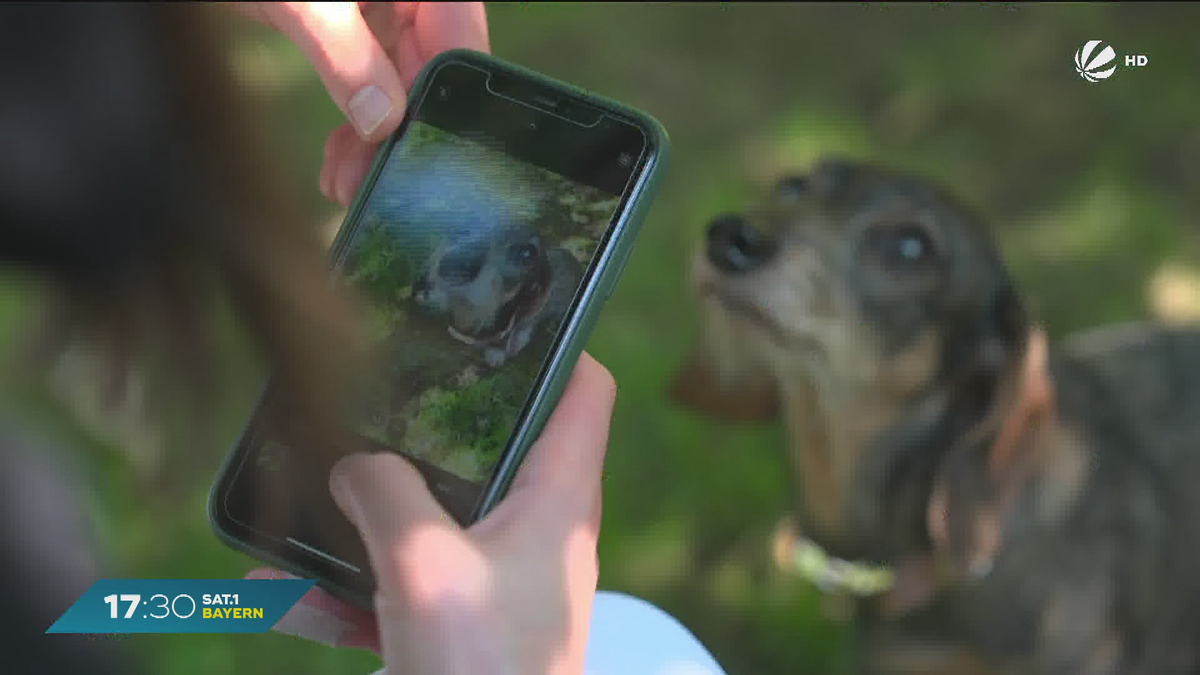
[
  {"x": 308, "y": 622},
  {"x": 369, "y": 108}
]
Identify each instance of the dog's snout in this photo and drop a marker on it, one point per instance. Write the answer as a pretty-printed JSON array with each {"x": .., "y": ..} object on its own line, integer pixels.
[{"x": 735, "y": 245}]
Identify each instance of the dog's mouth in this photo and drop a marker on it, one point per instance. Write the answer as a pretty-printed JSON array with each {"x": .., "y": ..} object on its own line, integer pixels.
[
  {"x": 742, "y": 308},
  {"x": 527, "y": 299},
  {"x": 756, "y": 315}
]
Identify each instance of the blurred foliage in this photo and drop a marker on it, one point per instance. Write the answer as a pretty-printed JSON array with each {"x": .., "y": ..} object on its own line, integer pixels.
[
  {"x": 476, "y": 419},
  {"x": 380, "y": 269},
  {"x": 1092, "y": 188}
]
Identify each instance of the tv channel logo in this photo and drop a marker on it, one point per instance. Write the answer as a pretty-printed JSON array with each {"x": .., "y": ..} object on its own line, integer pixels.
[{"x": 1096, "y": 61}]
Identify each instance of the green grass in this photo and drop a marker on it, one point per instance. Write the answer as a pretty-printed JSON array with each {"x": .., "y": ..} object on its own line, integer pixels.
[{"x": 1090, "y": 186}]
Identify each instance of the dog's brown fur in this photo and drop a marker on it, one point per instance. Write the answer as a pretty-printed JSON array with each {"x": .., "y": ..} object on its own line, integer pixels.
[{"x": 1037, "y": 507}]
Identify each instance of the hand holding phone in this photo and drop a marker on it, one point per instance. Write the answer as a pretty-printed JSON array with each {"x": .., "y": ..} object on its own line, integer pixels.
[
  {"x": 512, "y": 594},
  {"x": 487, "y": 237},
  {"x": 368, "y": 56}
]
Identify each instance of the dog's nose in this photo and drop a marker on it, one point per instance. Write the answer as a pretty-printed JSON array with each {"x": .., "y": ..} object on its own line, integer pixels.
[{"x": 737, "y": 246}]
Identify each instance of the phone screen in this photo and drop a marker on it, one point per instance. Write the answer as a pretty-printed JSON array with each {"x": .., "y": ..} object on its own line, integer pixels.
[{"x": 471, "y": 248}]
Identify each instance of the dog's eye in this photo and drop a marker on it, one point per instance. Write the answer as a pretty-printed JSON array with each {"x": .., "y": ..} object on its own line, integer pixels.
[
  {"x": 900, "y": 247},
  {"x": 791, "y": 189},
  {"x": 523, "y": 254}
]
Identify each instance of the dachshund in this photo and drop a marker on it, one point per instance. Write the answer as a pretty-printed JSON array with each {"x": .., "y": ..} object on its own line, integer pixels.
[
  {"x": 497, "y": 287},
  {"x": 990, "y": 503}
]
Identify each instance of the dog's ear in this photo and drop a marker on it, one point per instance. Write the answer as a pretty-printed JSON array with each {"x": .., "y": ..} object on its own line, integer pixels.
[
  {"x": 987, "y": 352},
  {"x": 749, "y": 395},
  {"x": 970, "y": 504},
  {"x": 1006, "y": 323}
]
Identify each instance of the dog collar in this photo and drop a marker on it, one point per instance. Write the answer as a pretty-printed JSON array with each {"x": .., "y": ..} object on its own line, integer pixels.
[{"x": 834, "y": 574}]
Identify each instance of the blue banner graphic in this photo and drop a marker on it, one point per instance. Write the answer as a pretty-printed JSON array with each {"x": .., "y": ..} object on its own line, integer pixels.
[{"x": 181, "y": 606}]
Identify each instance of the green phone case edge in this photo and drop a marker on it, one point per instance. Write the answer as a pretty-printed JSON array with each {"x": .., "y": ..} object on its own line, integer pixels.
[{"x": 595, "y": 296}]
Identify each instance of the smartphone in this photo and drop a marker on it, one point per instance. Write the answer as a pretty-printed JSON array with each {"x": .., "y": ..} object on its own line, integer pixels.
[{"x": 486, "y": 238}]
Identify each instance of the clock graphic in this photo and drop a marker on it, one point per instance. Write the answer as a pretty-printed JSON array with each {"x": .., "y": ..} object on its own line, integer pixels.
[
  {"x": 158, "y": 601},
  {"x": 122, "y": 606}
]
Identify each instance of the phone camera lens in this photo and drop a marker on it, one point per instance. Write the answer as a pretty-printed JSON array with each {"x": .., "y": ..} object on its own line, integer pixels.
[
  {"x": 533, "y": 126},
  {"x": 443, "y": 94}
]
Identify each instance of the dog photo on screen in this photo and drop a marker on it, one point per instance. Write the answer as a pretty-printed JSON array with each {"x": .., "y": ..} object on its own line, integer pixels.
[{"x": 470, "y": 260}]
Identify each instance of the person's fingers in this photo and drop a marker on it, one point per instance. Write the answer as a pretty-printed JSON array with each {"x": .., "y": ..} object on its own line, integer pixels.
[
  {"x": 439, "y": 26},
  {"x": 597, "y": 512},
  {"x": 347, "y": 160},
  {"x": 383, "y": 493},
  {"x": 403, "y": 527},
  {"x": 335, "y": 146},
  {"x": 567, "y": 460},
  {"x": 360, "y": 76},
  {"x": 452, "y": 25},
  {"x": 320, "y": 617},
  {"x": 353, "y": 162},
  {"x": 412, "y": 33}
]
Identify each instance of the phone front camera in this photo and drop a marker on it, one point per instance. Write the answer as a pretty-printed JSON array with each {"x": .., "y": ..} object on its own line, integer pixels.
[{"x": 533, "y": 126}]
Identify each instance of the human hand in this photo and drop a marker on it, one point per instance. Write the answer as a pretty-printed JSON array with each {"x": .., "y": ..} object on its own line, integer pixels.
[
  {"x": 368, "y": 54},
  {"x": 511, "y": 594}
]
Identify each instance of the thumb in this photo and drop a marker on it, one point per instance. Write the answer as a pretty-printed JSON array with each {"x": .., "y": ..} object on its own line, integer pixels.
[
  {"x": 387, "y": 500},
  {"x": 564, "y": 467},
  {"x": 354, "y": 68}
]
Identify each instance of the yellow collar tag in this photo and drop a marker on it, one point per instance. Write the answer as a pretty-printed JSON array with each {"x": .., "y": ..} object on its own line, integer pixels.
[{"x": 833, "y": 574}]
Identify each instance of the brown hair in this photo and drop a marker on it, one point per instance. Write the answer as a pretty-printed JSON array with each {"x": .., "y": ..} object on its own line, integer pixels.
[{"x": 141, "y": 277}]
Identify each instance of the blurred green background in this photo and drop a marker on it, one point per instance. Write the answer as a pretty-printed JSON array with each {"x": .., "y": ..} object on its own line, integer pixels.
[{"x": 1093, "y": 189}]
